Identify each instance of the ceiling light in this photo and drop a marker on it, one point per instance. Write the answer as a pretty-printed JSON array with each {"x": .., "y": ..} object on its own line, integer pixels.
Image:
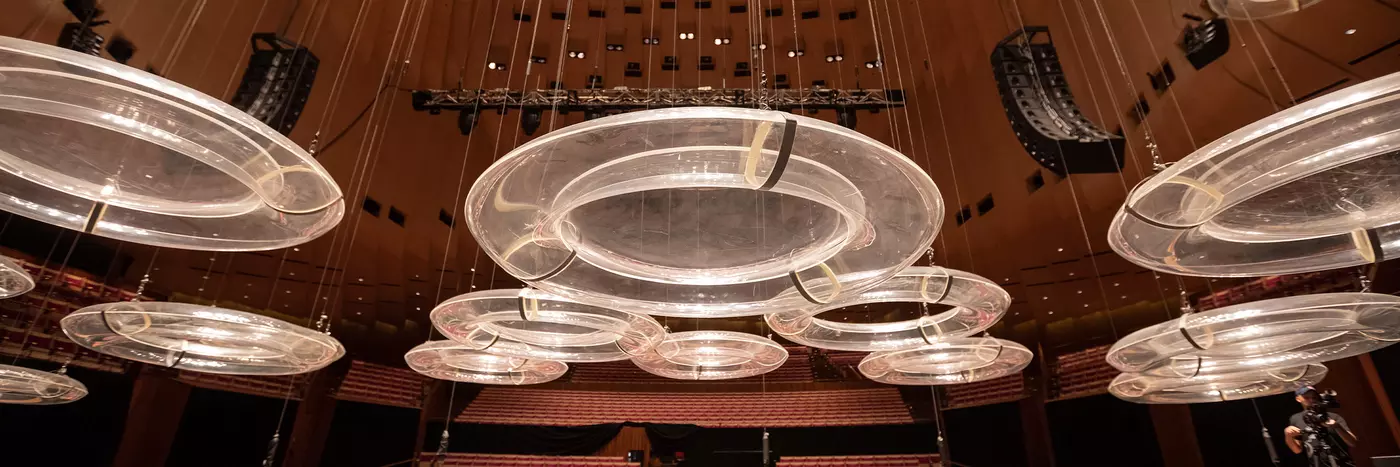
[
  {"x": 830, "y": 58},
  {"x": 491, "y": 65},
  {"x": 1350, "y": 32},
  {"x": 1052, "y": 312},
  {"x": 719, "y": 41},
  {"x": 792, "y": 53},
  {"x": 296, "y": 249},
  {"x": 1060, "y": 249},
  {"x": 840, "y": 57}
]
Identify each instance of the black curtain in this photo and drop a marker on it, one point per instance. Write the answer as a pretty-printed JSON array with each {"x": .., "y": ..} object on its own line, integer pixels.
[
  {"x": 517, "y": 439},
  {"x": 82, "y": 433},
  {"x": 371, "y": 435},
  {"x": 701, "y": 446}
]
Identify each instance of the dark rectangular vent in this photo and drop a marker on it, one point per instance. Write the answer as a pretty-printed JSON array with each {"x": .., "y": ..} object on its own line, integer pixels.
[
  {"x": 963, "y": 215},
  {"x": 668, "y": 5},
  {"x": 818, "y": 83},
  {"x": 814, "y": 14},
  {"x": 559, "y": 15},
  {"x": 445, "y": 218},
  {"x": 1163, "y": 78},
  {"x": 1034, "y": 182},
  {"x": 773, "y": 12},
  {"x": 522, "y": 17},
  {"x": 597, "y": 14},
  {"x": 985, "y": 205},
  {"x": 740, "y": 8},
  {"x": 707, "y": 63},
  {"x": 670, "y": 63},
  {"x": 634, "y": 70},
  {"x": 1139, "y": 111},
  {"x": 1321, "y": 90},
  {"x": 704, "y": 5},
  {"x": 1373, "y": 53},
  {"x": 396, "y": 216},
  {"x": 595, "y": 81},
  {"x": 781, "y": 78},
  {"x": 631, "y": 10},
  {"x": 846, "y": 15},
  {"x": 741, "y": 70},
  {"x": 371, "y": 206}
]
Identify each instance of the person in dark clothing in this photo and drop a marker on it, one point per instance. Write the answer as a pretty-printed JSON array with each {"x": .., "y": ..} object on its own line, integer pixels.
[{"x": 1325, "y": 441}]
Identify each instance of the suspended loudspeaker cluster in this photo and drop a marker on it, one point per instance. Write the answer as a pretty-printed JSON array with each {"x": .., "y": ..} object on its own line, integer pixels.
[{"x": 1311, "y": 188}]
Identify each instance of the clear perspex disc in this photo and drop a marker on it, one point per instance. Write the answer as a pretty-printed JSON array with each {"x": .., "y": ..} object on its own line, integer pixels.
[
  {"x": 99, "y": 147},
  {"x": 976, "y": 302},
  {"x": 1248, "y": 384},
  {"x": 952, "y": 360},
  {"x": 1258, "y": 9},
  {"x": 1314, "y": 187},
  {"x": 1288, "y": 331},
  {"x": 25, "y": 386},
  {"x": 528, "y": 323},
  {"x": 704, "y": 212},
  {"x": 14, "y": 280},
  {"x": 451, "y": 361},
  {"x": 201, "y": 338},
  {"x": 712, "y": 355}
]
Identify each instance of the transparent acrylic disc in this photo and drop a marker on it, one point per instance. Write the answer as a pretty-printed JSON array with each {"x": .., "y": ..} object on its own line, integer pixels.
[
  {"x": 711, "y": 355},
  {"x": 1314, "y": 187},
  {"x": 95, "y": 146},
  {"x": 528, "y": 323},
  {"x": 24, "y": 386},
  {"x": 704, "y": 212},
  {"x": 1258, "y": 9},
  {"x": 1276, "y": 332},
  {"x": 14, "y": 280},
  {"x": 451, "y": 361},
  {"x": 1147, "y": 389},
  {"x": 976, "y": 302},
  {"x": 953, "y": 360},
  {"x": 201, "y": 338}
]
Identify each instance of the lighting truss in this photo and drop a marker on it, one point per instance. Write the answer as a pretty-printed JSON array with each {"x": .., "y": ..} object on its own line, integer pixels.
[{"x": 623, "y": 98}]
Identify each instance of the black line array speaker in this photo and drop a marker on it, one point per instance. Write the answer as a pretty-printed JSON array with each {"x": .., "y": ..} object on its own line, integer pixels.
[
  {"x": 1042, "y": 110},
  {"x": 277, "y": 82},
  {"x": 1206, "y": 41}
]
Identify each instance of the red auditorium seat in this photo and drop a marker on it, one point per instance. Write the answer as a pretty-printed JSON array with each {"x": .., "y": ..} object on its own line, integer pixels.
[{"x": 879, "y": 406}]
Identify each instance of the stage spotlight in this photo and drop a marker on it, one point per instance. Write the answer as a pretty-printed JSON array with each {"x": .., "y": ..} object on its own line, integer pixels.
[
  {"x": 530, "y": 121},
  {"x": 491, "y": 65},
  {"x": 719, "y": 41},
  {"x": 830, "y": 58},
  {"x": 466, "y": 121},
  {"x": 840, "y": 57}
]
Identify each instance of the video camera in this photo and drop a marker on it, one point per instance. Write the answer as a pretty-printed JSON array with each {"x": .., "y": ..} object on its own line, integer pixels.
[{"x": 1316, "y": 414}]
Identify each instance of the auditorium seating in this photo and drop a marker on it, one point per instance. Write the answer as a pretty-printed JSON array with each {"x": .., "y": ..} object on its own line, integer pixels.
[
  {"x": 522, "y": 460},
  {"x": 384, "y": 385},
  {"x": 1082, "y": 373},
  {"x": 48, "y": 343},
  {"x": 1340, "y": 280},
  {"x": 266, "y": 386},
  {"x": 797, "y": 369},
  {"x": 888, "y": 460},
  {"x": 522, "y": 406},
  {"x": 1004, "y": 389}
]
